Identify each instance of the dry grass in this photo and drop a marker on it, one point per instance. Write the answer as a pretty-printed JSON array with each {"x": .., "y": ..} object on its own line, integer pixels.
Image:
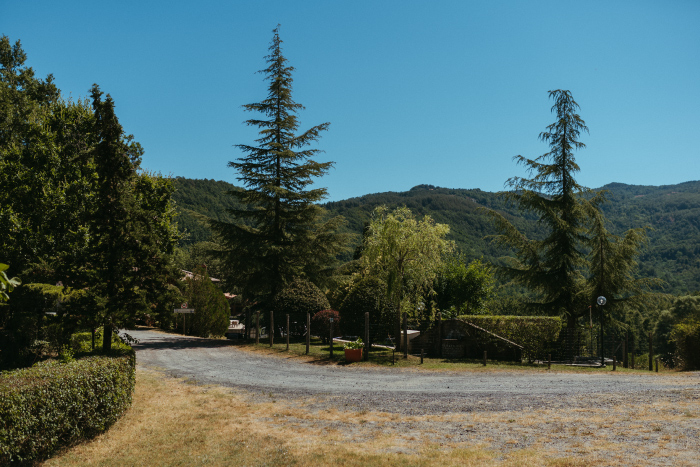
[{"x": 175, "y": 423}]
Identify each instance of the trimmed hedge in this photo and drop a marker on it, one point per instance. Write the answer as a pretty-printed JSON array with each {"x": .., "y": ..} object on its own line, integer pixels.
[
  {"x": 532, "y": 332},
  {"x": 54, "y": 405}
]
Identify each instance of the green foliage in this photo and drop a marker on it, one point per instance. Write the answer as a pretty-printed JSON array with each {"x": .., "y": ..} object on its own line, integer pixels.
[
  {"x": 551, "y": 267},
  {"x": 670, "y": 212},
  {"x": 578, "y": 259},
  {"x": 297, "y": 299},
  {"x": 278, "y": 233},
  {"x": 686, "y": 337},
  {"x": 52, "y": 405},
  {"x": 368, "y": 295},
  {"x": 6, "y": 284},
  {"x": 405, "y": 253},
  {"x": 676, "y": 321},
  {"x": 74, "y": 207},
  {"x": 358, "y": 344},
  {"x": 462, "y": 288},
  {"x": 212, "y": 311},
  {"x": 535, "y": 333},
  {"x": 199, "y": 200},
  {"x": 613, "y": 267}
]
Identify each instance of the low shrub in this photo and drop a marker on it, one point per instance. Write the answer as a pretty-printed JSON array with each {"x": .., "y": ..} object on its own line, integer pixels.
[
  {"x": 54, "y": 405},
  {"x": 321, "y": 324},
  {"x": 534, "y": 333},
  {"x": 81, "y": 342}
]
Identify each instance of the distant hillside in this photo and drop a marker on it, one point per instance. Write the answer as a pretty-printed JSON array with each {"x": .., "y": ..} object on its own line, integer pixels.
[
  {"x": 200, "y": 197},
  {"x": 672, "y": 212}
]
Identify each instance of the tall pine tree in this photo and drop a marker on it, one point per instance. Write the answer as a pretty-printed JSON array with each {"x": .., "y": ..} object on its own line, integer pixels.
[
  {"x": 578, "y": 260},
  {"x": 282, "y": 234},
  {"x": 552, "y": 267}
]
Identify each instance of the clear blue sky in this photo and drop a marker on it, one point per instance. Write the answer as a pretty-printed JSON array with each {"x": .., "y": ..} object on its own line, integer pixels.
[{"x": 441, "y": 92}]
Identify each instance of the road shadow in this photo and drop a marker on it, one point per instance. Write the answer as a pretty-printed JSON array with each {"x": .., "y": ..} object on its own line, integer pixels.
[{"x": 171, "y": 341}]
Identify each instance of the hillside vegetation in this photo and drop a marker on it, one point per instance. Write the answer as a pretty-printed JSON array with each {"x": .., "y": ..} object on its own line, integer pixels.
[{"x": 671, "y": 212}]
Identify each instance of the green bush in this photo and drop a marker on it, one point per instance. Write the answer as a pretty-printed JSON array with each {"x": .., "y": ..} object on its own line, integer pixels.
[
  {"x": 321, "y": 324},
  {"x": 297, "y": 299},
  {"x": 686, "y": 336},
  {"x": 368, "y": 295},
  {"x": 54, "y": 405},
  {"x": 534, "y": 333},
  {"x": 81, "y": 342},
  {"x": 212, "y": 311}
]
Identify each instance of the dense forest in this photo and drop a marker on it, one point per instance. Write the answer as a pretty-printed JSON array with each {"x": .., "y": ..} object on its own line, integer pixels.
[{"x": 671, "y": 213}]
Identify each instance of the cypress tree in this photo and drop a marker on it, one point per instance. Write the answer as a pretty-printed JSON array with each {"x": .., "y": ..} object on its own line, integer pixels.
[{"x": 281, "y": 233}]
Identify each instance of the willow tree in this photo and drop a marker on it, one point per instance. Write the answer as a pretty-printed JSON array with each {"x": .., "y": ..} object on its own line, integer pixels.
[
  {"x": 406, "y": 253},
  {"x": 281, "y": 234},
  {"x": 552, "y": 267}
]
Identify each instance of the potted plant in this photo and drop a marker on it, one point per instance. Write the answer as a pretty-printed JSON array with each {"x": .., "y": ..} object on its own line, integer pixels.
[{"x": 353, "y": 350}]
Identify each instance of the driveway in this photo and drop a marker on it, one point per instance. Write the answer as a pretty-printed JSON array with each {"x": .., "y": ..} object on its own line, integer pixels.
[{"x": 408, "y": 391}]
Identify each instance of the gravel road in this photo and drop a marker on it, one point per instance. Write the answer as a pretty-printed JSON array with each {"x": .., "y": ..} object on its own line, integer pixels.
[{"x": 392, "y": 390}]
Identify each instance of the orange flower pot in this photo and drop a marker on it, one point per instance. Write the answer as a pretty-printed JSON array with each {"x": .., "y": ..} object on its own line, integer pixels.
[{"x": 353, "y": 355}]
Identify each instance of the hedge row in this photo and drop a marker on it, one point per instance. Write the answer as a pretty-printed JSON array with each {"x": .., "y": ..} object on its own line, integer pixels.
[
  {"x": 54, "y": 405},
  {"x": 532, "y": 332}
]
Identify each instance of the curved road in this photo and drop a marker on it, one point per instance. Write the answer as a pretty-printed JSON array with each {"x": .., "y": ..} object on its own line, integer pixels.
[{"x": 218, "y": 362}]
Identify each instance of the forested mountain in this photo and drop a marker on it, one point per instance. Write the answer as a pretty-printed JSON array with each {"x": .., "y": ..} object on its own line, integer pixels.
[
  {"x": 671, "y": 212},
  {"x": 195, "y": 198}
]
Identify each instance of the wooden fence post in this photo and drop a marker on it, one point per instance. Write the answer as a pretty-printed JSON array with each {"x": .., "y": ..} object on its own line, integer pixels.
[
  {"x": 614, "y": 362},
  {"x": 271, "y": 328},
  {"x": 308, "y": 332},
  {"x": 405, "y": 335},
  {"x": 439, "y": 342},
  {"x": 257, "y": 327},
  {"x": 367, "y": 345},
  {"x": 651, "y": 353},
  {"x": 331, "y": 336},
  {"x": 484, "y": 358},
  {"x": 287, "y": 332},
  {"x": 549, "y": 362}
]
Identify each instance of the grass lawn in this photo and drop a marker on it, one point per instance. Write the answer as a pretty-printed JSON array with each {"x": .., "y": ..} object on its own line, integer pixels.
[{"x": 320, "y": 353}]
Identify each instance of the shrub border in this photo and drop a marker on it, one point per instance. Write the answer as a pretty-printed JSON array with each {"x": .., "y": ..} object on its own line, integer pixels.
[{"x": 52, "y": 405}]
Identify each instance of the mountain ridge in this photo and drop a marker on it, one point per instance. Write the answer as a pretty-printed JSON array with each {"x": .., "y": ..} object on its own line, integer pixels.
[{"x": 670, "y": 212}]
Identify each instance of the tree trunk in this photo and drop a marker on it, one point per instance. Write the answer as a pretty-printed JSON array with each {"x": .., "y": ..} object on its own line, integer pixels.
[{"x": 107, "y": 338}]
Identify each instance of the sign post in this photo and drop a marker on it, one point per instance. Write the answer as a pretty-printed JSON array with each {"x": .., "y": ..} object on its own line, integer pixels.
[{"x": 184, "y": 311}]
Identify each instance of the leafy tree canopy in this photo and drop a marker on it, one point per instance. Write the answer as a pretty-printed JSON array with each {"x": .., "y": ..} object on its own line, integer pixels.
[{"x": 404, "y": 252}]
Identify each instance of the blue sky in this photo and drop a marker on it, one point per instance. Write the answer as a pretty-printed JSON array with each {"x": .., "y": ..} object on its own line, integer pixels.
[{"x": 443, "y": 93}]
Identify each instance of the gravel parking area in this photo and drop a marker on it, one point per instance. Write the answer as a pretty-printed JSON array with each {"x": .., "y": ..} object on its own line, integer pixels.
[
  {"x": 604, "y": 417},
  {"x": 217, "y": 362}
]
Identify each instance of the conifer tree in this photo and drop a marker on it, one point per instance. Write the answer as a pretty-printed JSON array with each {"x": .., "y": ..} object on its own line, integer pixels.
[
  {"x": 613, "y": 267},
  {"x": 552, "y": 267},
  {"x": 281, "y": 234},
  {"x": 579, "y": 259},
  {"x": 133, "y": 235}
]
